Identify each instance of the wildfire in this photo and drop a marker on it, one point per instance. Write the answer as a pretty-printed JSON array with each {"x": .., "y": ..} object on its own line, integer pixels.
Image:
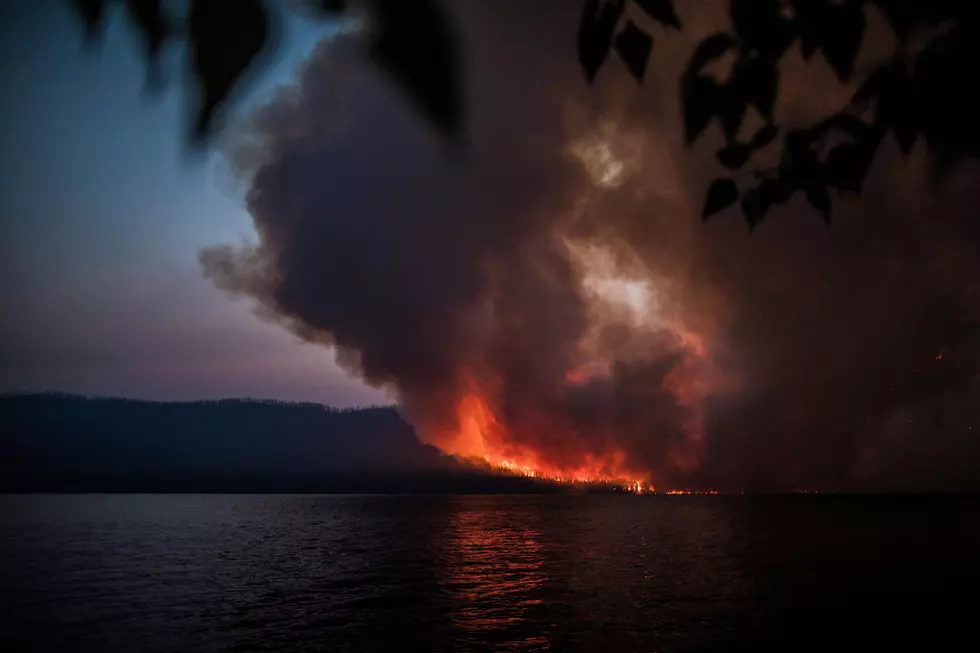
[
  {"x": 586, "y": 425},
  {"x": 481, "y": 438},
  {"x": 483, "y": 441}
]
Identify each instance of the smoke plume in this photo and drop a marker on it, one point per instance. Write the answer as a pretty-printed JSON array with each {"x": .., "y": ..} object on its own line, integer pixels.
[{"x": 547, "y": 299}]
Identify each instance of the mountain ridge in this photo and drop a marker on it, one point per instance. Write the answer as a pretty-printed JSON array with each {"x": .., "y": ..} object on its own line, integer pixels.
[{"x": 56, "y": 442}]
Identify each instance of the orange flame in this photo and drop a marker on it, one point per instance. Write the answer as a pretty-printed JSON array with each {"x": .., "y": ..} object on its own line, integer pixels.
[{"x": 482, "y": 438}]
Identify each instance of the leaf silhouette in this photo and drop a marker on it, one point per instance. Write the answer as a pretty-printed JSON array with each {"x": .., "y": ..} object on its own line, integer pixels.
[
  {"x": 633, "y": 46},
  {"x": 891, "y": 88},
  {"x": 414, "y": 43},
  {"x": 853, "y": 127},
  {"x": 819, "y": 199},
  {"x": 912, "y": 95},
  {"x": 841, "y": 49},
  {"x": 757, "y": 201},
  {"x": 734, "y": 156},
  {"x": 752, "y": 208},
  {"x": 779, "y": 190},
  {"x": 756, "y": 80},
  {"x": 595, "y": 34},
  {"x": 330, "y": 7},
  {"x": 882, "y": 82},
  {"x": 702, "y": 97},
  {"x": 708, "y": 50},
  {"x": 155, "y": 28},
  {"x": 92, "y": 15},
  {"x": 799, "y": 156},
  {"x": 906, "y": 127},
  {"x": 225, "y": 39},
  {"x": 815, "y": 23},
  {"x": 847, "y": 165},
  {"x": 731, "y": 111},
  {"x": 761, "y": 27},
  {"x": 936, "y": 102},
  {"x": 766, "y": 134},
  {"x": 722, "y": 193},
  {"x": 662, "y": 11}
]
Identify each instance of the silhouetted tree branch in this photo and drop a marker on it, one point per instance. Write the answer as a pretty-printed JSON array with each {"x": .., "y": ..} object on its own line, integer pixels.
[
  {"x": 228, "y": 39},
  {"x": 920, "y": 92}
]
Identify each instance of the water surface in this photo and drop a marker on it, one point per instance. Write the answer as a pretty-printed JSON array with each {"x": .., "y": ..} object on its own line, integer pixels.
[{"x": 498, "y": 573}]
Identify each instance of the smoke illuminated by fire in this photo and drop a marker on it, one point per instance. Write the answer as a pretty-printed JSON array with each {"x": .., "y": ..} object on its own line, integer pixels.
[
  {"x": 480, "y": 435},
  {"x": 549, "y": 304}
]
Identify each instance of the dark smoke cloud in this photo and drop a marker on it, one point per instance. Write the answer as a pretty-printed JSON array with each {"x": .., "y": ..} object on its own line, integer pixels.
[{"x": 834, "y": 358}]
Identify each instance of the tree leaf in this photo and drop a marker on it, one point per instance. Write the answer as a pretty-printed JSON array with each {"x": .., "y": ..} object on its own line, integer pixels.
[
  {"x": 734, "y": 156},
  {"x": 225, "y": 39},
  {"x": 841, "y": 50},
  {"x": 155, "y": 28},
  {"x": 766, "y": 134},
  {"x": 819, "y": 199},
  {"x": 800, "y": 158},
  {"x": 708, "y": 50},
  {"x": 702, "y": 97},
  {"x": 778, "y": 190},
  {"x": 854, "y": 127},
  {"x": 753, "y": 208},
  {"x": 847, "y": 165},
  {"x": 329, "y": 7},
  {"x": 415, "y": 44},
  {"x": 814, "y": 19},
  {"x": 883, "y": 81},
  {"x": 757, "y": 201},
  {"x": 323, "y": 9},
  {"x": 661, "y": 11},
  {"x": 722, "y": 193},
  {"x": 756, "y": 80},
  {"x": 731, "y": 111},
  {"x": 634, "y": 46},
  {"x": 906, "y": 127},
  {"x": 595, "y": 34},
  {"x": 761, "y": 26},
  {"x": 92, "y": 15}
]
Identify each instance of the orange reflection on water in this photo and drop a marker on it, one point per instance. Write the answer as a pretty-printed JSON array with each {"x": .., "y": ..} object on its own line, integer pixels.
[{"x": 494, "y": 575}]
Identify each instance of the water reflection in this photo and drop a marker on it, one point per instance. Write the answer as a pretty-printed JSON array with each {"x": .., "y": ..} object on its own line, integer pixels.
[
  {"x": 587, "y": 573},
  {"x": 494, "y": 575}
]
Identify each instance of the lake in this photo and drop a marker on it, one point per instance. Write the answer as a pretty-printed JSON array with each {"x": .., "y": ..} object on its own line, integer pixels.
[{"x": 141, "y": 573}]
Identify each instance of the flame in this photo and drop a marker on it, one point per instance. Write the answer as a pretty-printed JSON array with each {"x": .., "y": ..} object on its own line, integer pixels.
[{"x": 480, "y": 437}]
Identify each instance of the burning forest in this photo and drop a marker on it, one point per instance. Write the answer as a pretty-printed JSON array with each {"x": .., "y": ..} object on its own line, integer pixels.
[{"x": 545, "y": 301}]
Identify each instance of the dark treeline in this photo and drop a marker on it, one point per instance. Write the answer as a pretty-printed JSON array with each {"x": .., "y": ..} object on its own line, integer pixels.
[{"x": 56, "y": 442}]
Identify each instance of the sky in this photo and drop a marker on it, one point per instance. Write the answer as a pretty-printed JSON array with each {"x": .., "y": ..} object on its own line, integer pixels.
[{"x": 101, "y": 221}]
